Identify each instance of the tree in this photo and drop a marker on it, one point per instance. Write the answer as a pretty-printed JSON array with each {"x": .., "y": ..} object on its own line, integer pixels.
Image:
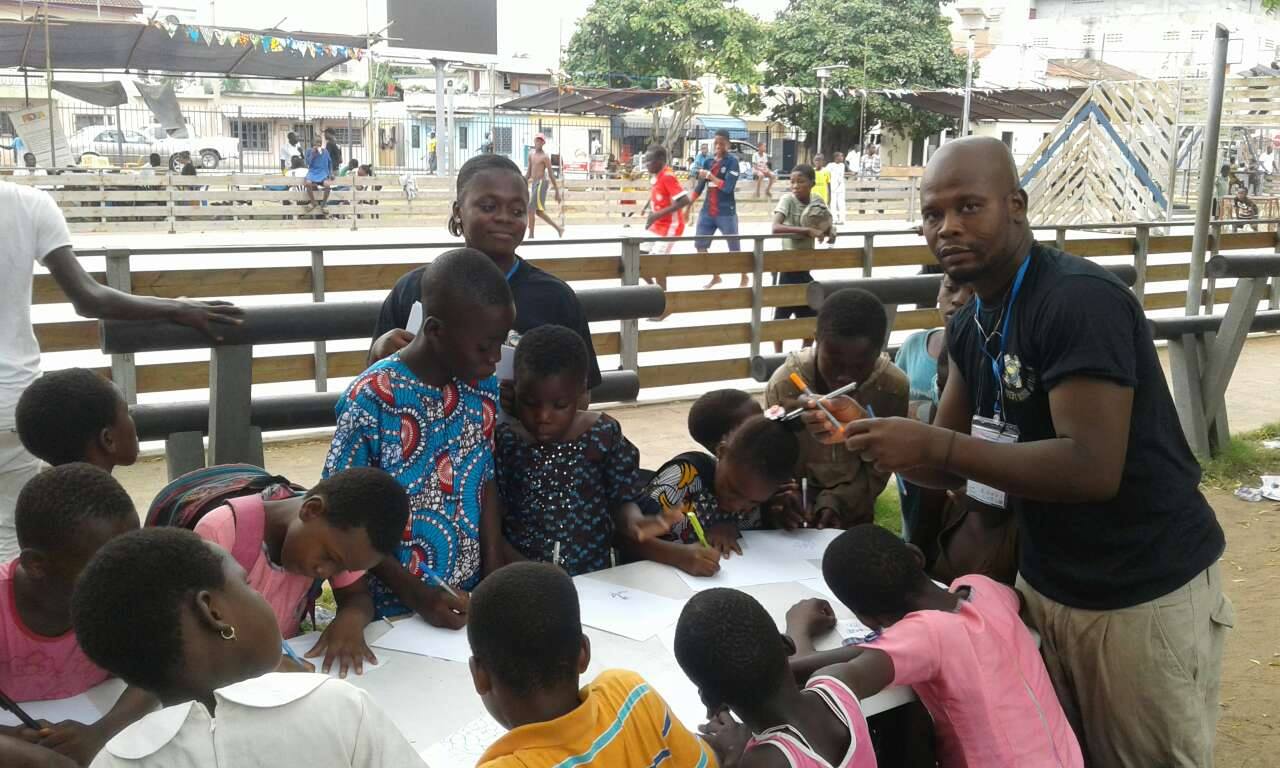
[
  {"x": 886, "y": 43},
  {"x": 631, "y": 43}
]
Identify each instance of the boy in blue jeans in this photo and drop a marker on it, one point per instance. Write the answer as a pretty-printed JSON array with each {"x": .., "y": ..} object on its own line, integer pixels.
[
  {"x": 718, "y": 178},
  {"x": 426, "y": 416}
]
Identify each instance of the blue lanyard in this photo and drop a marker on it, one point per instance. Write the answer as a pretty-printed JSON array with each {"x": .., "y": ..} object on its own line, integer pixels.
[
  {"x": 997, "y": 362},
  {"x": 514, "y": 267}
]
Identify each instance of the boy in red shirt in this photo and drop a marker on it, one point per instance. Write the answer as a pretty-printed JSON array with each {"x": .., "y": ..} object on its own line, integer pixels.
[{"x": 667, "y": 201}]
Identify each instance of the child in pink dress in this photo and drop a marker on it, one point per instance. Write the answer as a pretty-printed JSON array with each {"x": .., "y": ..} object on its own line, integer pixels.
[{"x": 730, "y": 648}]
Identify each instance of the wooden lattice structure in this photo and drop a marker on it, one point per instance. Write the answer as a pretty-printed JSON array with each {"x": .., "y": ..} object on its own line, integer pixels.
[{"x": 1121, "y": 150}]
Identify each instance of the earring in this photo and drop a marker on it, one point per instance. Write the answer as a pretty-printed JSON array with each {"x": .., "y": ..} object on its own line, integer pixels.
[{"x": 228, "y": 632}]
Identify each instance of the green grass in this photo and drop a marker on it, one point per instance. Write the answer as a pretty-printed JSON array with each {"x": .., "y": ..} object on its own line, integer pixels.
[
  {"x": 1243, "y": 460},
  {"x": 889, "y": 509}
]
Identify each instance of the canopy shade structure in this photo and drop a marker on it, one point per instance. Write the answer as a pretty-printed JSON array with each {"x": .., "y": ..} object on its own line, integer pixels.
[
  {"x": 993, "y": 104},
  {"x": 593, "y": 101},
  {"x": 705, "y": 126},
  {"x": 187, "y": 50}
]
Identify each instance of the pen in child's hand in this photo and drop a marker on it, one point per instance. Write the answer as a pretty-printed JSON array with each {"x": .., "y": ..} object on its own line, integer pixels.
[
  {"x": 12, "y": 706},
  {"x": 441, "y": 583},
  {"x": 284, "y": 648},
  {"x": 804, "y": 388},
  {"x": 697, "y": 528}
]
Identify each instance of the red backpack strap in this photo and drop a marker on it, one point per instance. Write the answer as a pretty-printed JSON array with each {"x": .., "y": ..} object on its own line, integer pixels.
[{"x": 251, "y": 529}]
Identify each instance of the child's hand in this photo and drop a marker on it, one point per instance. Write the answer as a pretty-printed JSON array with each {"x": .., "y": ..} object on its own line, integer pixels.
[
  {"x": 289, "y": 665},
  {"x": 811, "y": 617},
  {"x": 786, "y": 509},
  {"x": 343, "y": 641},
  {"x": 827, "y": 517},
  {"x": 77, "y": 741},
  {"x": 817, "y": 234},
  {"x": 844, "y": 408},
  {"x": 637, "y": 527},
  {"x": 697, "y": 560},
  {"x": 723, "y": 537},
  {"x": 391, "y": 342},
  {"x": 727, "y": 737},
  {"x": 443, "y": 610}
]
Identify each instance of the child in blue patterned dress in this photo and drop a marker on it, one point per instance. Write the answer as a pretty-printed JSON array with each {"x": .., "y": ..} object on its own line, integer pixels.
[
  {"x": 426, "y": 416},
  {"x": 568, "y": 478}
]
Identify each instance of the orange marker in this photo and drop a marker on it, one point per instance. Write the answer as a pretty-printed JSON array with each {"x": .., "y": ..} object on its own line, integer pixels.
[{"x": 804, "y": 388}]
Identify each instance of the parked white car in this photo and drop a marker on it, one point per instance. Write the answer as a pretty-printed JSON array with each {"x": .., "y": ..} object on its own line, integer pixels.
[
  {"x": 206, "y": 151},
  {"x": 108, "y": 141},
  {"x": 134, "y": 147}
]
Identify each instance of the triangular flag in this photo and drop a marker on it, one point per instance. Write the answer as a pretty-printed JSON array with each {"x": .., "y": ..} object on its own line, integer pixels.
[{"x": 207, "y": 34}]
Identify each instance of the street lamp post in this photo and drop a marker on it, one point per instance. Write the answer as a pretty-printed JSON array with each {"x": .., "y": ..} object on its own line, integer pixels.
[
  {"x": 823, "y": 74},
  {"x": 973, "y": 19}
]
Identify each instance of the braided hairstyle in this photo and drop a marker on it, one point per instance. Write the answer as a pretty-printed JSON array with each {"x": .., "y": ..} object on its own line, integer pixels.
[{"x": 469, "y": 170}]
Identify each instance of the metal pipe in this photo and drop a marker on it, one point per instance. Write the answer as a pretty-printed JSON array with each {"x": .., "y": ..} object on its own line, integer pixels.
[
  {"x": 822, "y": 104},
  {"x": 968, "y": 88},
  {"x": 1208, "y": 172},
  {"x": 48, "y": 83}
]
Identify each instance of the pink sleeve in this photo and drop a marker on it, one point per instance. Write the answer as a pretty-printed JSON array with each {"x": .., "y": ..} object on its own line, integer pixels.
[
  {"x": 218, "y": 526},
  {"x": 912, "y": 647},
  {"x": 345, "y": 579}
]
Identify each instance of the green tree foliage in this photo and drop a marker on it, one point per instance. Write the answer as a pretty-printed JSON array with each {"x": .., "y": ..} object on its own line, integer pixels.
[
  {"x": 631, "y": 43},
  {"x": 886, "y": 43}
]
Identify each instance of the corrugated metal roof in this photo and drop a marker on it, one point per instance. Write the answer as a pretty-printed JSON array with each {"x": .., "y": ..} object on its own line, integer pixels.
[{"x": 133, "y": 5}]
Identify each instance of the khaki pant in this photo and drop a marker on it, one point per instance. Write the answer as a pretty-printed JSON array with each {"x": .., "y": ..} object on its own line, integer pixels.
[
  {"x": 1140, "y": 684},
  {"x": 16, "y": 468}
]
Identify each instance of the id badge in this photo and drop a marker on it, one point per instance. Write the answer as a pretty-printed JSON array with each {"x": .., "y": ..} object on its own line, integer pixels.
[{"x": 995, "y": 432}]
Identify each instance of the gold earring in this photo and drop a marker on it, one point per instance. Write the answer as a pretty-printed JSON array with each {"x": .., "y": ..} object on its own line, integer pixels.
[{"x": 228, "y": 632}]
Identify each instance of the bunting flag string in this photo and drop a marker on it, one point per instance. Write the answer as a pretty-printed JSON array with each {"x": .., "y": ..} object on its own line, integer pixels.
[{"x": 266, "y": 43}]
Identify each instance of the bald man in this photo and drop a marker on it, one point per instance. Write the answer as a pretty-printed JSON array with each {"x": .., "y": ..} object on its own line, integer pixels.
[{"x": 1056, "y": 408}]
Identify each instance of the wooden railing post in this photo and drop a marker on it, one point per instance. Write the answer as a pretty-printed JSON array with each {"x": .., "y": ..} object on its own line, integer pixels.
[
  {"x": 912, "y": 189},
  {"x": 124, "y": 371},
  {"x": 1060, "y": 238},
  {"x": 629, "y": 330},
  {"x": 868, "y": 254},
  {"x": 317, "y": 295},
  {"x": 230, "y": 395},
  {"x": 173, "y": 216},
  {"x": 355, "y": 199},
  {"x": 1141, "y": 249},
  {"x": 757, "y": 293},
  {"x": 1274, "y": 302}
]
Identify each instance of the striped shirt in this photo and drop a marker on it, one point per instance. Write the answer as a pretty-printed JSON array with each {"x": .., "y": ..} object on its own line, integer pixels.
[{"x": 621, "y": 723}]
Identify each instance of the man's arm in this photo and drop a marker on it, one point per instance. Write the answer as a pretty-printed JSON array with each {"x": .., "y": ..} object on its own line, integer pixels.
[
  {"x": 779, "y": 228},
  {"x": 93, "y": 299}
]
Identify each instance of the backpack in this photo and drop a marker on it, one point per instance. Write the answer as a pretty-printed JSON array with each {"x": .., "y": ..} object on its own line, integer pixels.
[{"x": 185, "y": 500}]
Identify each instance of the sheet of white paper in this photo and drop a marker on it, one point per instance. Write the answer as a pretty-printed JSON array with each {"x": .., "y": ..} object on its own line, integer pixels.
[
  {"x": 506, "y": 369},
  {"x": 413, "y": 635},
  {"x": 805, "y": 543},
  {"x": 820, "y": 586},
  {"x": 79, "y": 708},
  {"x": 415, "y": 319},
  {"x": 750, "y": 569},
  {"x": 304, "y": 643},
  {"x": 680, "y": 694},
  {"x": 464, "y": 748},
  {"x": 852, "y": 631},
  {"x": 624, "y": 611}
]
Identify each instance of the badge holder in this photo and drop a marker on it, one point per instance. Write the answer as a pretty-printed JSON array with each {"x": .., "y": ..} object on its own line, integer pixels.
[{"x": 994, "y": 431}]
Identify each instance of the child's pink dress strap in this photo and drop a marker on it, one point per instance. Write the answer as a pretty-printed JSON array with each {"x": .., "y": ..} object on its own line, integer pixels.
[{"x": 844, "y": 705}]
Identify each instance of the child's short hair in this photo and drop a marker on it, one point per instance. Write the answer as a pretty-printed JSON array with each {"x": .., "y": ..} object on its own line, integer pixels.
[
  {"x": 658, "y": 150},
  {"x": 551, "y": 350},
  {"x": 55, "y": 502},
  {"x": 765, "y": 446},
  {"x": 475, "y": 166},
  {"x": 853, "y": 313},
  {"x": 127, "y": 605},
  {"x": 368, "y": 498},
  {"x": 62, "y": 412},
  {"x": 872, "y": 571},
  {"x": 729, "y": 646},
  {"x": 806, "y": 170},
  {"x": 714, "y": 415},
  {"x": 463, "y": 275},
  {"x": 525, "y": 627}
]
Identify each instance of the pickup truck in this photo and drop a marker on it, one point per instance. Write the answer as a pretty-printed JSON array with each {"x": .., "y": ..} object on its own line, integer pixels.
[{"x": 207, "y": 151}]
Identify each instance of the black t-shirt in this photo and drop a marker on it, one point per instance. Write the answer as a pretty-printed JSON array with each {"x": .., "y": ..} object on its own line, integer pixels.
[
  {"x": 335, "y": 154},
  {"x": 1073, "y": 318},
  {"x": 541, "y": 299}
]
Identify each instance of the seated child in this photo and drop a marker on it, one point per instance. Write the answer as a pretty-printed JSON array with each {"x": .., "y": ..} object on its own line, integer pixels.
[
  {"x": 528, "y": 680},
  {"x": 426, "y": 415},
  {"x": 76, "y": 415},
  {"x": 64, "y": 515},
  {"x": 568, "y": 478},
  {"x": 341, "y": 528},
  {"x": 730, "y": 648},
  {"x": 173, "y": 614},
  {"x": 968, "y": 656},
  {"x": 750, "y": 466},
  {"x": 852, "y": 329}
]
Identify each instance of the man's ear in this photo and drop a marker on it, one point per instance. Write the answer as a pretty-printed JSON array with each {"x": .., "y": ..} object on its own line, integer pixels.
[
  {"x": 312, "y": 508},
  {"x": 35, "y": 562},
  {"x": 1018, "y": 204}
]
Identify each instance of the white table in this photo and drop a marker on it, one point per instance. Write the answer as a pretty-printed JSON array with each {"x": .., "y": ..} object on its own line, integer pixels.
[{"x": 429, "y": 699}]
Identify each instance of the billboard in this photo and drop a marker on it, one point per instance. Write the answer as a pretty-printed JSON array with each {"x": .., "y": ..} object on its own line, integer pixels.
[{"x": 465, "y": 30}]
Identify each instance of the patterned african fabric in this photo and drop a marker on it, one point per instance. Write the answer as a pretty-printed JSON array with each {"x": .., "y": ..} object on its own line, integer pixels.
[
  {"x": 566, "y": 493},
  {"x": 438, "y": 444},
  {"x": 688, "y": 479}
]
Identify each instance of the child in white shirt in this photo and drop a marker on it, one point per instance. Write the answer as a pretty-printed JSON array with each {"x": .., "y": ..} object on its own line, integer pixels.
[{"x": 175, "y": 615}]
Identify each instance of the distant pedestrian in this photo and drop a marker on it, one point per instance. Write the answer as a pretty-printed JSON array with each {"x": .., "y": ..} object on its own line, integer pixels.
[
  {"x": 335, "y": 151},
  {"x": 319, "y": 173},
  {"x": 836, "y": 170},
  {"x": 431, "y": 150},
  {"x": 289, "y": 150},
  {"x": 763, "y": 169},
  {"x": 718, "y": 177}
]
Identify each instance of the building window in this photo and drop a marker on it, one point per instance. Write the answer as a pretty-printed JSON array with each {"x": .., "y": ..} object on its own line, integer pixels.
[
  {"x": 506, "y": 81},
  {"x": 502, "y": 140},
  {"x": 1040, "y": 42},
  {"x": 1197, "y": 34},
  {"x": 83, "y": 120},
  {"x": 254, "y": 135},
  {"x": 1113, "y": 37},
  {"x": 1173, "y": 34},
  {"x": 1089, "y": 40},
  {"x": 1006, "y": 137},
  {"x": 348, "y": 136},
  {"x": 342, "y": 69},
  {"x": 415, "y": 136},
  {"x": 463, "y": 135}
]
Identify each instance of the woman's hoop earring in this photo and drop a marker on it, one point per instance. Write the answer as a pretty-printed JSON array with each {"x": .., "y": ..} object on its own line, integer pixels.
[{"x": 228, "y": 632}]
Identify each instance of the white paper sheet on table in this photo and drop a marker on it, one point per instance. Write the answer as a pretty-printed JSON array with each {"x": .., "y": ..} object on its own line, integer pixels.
[
  {"x": 413, "y": 635},
  {"x": 804, "y": 543},
  {"x": 465, "y": 746},
  {"x": 304, "y": 643},
  {"x": 79, "y": 708},
  {"x": 750, "y": 569},
  {"x": 624, "y": 611}
]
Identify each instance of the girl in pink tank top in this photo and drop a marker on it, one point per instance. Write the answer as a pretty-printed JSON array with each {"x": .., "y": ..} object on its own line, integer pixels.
[{"x": 844, "y": 705}]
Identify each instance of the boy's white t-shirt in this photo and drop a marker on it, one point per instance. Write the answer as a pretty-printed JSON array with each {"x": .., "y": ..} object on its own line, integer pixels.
[
  {"x": 279, "y": 719},
  {"x": 32, "y": 227}
]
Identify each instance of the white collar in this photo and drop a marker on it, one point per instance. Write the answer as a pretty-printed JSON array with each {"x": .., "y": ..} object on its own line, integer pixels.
[{"x": 150, "y": 734}]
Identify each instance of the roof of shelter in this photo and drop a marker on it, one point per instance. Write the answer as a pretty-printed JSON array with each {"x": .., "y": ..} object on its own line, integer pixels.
[
  {"x": 593, "y": 101},
  {"x": 1088, "y": 69},
  {"x": 993, "y": 103}
]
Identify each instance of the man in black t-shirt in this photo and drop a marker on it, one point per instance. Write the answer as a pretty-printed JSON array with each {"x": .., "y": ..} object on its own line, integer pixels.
[
  {"x": 1057, "y": 408},
  {"x": 335, "y": 151}
]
